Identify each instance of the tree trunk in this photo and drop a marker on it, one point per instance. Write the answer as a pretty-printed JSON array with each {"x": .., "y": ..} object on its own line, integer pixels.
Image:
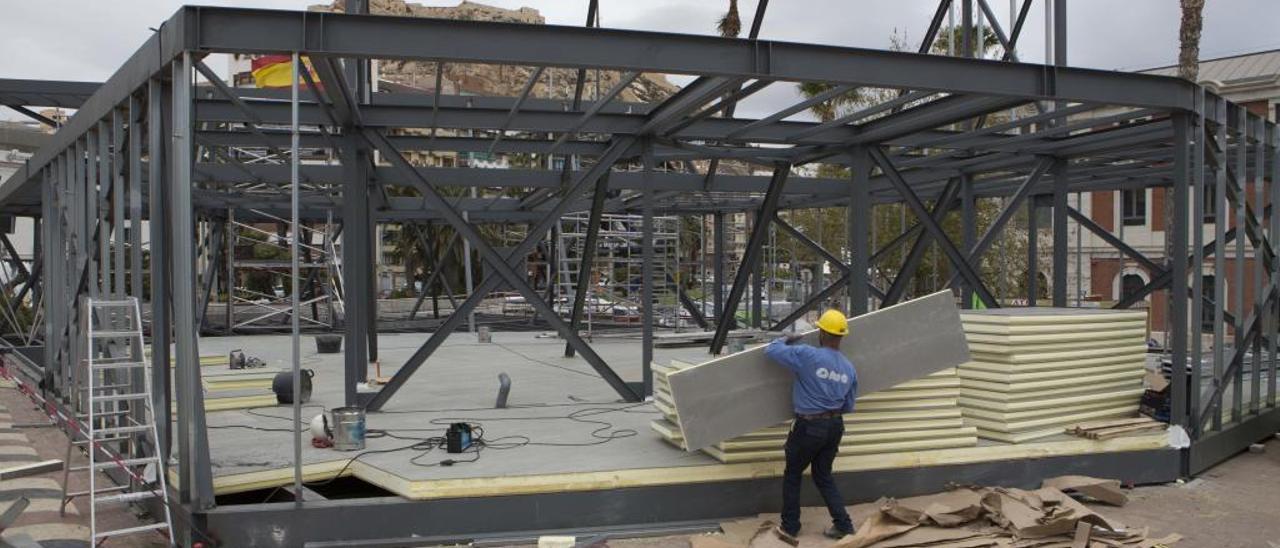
[{"x": 1189, "y": 38}]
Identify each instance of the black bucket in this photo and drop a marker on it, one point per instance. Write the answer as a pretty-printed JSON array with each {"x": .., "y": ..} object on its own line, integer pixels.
[
  {"x": 328, "y": 344},
  {"x": 282, "y": 385}
]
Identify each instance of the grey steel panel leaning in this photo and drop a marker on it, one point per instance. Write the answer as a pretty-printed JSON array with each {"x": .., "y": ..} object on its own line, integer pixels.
[{"x": 743, "y": 392}]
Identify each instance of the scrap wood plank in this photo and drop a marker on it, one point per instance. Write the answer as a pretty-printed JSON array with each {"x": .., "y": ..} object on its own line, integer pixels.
[
  {"x": 1106, "y": 424},
  {"x": 741, "y": 392},
  {"x": 30, "y": 469},
  {"x": 1108, "y": 433}
]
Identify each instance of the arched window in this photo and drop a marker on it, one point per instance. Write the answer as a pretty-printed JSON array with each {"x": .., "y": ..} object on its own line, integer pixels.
[{"x": 1131, "y": 284}]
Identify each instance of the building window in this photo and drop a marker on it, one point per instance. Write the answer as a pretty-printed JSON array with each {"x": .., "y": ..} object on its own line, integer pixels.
[
  {"x": 1209, "y": 288},
  {"x": 1133, "y": 207},
  {"x": 1210, "y": 203},
  {"x": 1131, "y": 284}
]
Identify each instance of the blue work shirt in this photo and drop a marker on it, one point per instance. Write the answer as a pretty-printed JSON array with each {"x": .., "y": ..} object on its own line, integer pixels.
[{"x": 825, "y": 380}]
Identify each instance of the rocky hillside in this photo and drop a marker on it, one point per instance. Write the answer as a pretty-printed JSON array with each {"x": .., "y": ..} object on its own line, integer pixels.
[{"x": 500, "y": 80}]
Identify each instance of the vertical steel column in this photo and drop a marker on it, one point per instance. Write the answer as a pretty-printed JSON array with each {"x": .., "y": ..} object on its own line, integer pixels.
[
  {"x": 647, "y": 273},
  {"x": 1033, "y": 263},
  {"x": 1196, "y": 224},
  {"x": 360, "y": 329},
  {"x": 1260, "y": 168},
  {"x": 197, "y": 488},
  {"x": 1273, "y": 316},
  {"x": 89, "y": 215},
  {"x": 294, "y": 280},
  {"x": 356, "y": 266},
  {"x": 1177, "y": 318},
  {"x": 158, "y": 121},
  {"x": 1060, "y": 33},
  {"x": 968, "y": 232},
  {"x": 1220, "y": 222},
  {"x": 118, "y": 202},
  {"x": 966, "y": 29},
  {"x": 859, "y": 230},
  {"x": 1238, "y": 184},
  {"x": 229, "y": 245},
  {"x": 51, "y": 231},
  {"x": 757, "y": 276},
  {"x": 135, "y": 197},
  {"x": 1060, "y": 250},
  {"x": 104, "y": 221},
  {"x": 717, "y": 227}
]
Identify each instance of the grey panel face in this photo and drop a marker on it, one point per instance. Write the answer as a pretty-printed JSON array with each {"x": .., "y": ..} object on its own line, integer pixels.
[{"x": 743, "y": 392}]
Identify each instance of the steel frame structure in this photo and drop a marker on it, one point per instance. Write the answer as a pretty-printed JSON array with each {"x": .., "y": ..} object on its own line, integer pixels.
[{"x": 150, "y": 146}]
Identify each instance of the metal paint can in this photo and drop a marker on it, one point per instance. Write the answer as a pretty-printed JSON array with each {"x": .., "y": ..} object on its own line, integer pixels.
[{"x": 348, "y": 429}]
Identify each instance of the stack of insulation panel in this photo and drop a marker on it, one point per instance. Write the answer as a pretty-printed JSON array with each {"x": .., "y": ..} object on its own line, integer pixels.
[
  {"x": 1036, "y": 371},
  {"x": 912, "y": 416}
]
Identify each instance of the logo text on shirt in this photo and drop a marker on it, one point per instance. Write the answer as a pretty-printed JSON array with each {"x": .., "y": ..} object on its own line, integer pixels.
[{"x": 833, "y": 376}]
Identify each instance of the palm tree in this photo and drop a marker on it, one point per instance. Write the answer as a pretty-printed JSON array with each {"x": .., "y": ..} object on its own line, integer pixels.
[
  {"x": 1189, "y": 37},
  {"x": 955, "y": 35},
  {"x": 730, "y": 25}
]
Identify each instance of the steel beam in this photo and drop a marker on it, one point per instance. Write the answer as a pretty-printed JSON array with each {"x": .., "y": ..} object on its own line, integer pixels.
[
  {"x": 648, "y": 298},
  {"x": 342, "y": 35},
  {"x": 500, "y": 264},
  {"x": 604, "y": 163},
  {"x": 1177, "y": 319},
  {"x": 997, "y": 225},
  {"x": 718, "y": 228},
  {"x": 196, "y": 485},
  {"x": 1060, "y": 242},
  {"x": 944, "y": 205},
  {"x": 159, "y": 120},
  {"x": 859, "y": 237},
  {"x": 755, "y": 245},
  {"x": 931, "y": 225},
  {"x": 587, "y": 257}
]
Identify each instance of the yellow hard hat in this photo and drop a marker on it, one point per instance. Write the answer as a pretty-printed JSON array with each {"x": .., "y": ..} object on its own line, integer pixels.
[{"x": 833, "y": 322}]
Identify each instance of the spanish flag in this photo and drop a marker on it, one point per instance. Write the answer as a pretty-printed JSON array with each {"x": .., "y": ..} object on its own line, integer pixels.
[{"x": 273, "y": 71}]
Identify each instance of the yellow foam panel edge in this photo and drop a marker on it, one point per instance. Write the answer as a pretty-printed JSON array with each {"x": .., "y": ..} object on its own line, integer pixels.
[
  {"x": 1116, "y": 316},
  {"x": 646, "y": 477}
]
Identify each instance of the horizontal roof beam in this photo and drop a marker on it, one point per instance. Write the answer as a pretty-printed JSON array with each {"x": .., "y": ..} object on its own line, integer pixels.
[{"x": 238, "y": 30}]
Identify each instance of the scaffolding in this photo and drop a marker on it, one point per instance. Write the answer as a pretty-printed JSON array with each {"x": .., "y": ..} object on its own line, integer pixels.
[
  {"x": 616, "y": 279},
  {"x": 262, "y": 255}
]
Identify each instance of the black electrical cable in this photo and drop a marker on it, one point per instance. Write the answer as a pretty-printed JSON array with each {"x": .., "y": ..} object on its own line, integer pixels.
[{"x": 605, "y": 433}]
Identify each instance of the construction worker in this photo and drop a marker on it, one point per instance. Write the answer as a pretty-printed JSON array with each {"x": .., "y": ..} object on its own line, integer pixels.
[{"x": 824, "y": 389}]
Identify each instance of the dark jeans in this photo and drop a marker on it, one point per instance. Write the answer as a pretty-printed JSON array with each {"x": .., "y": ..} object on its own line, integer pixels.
[{"x": 813, "y": 443}]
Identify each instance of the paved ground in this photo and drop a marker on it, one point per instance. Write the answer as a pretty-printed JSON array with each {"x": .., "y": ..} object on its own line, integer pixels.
[
  {"x": 41, "y": 521},
  {"x": 1234, "y": 505}
]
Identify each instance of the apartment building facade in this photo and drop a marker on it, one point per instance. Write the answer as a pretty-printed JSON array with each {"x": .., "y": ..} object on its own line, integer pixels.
[{"x": 1138, "y": 216}]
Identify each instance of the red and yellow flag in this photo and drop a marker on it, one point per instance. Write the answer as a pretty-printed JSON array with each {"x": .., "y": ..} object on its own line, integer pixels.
[{"x": 273, "y": 71}]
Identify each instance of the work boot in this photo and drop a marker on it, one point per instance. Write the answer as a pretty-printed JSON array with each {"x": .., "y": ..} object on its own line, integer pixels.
[
  {"x": 785, "y": 536},
  {"x": 835, "y": 533}
]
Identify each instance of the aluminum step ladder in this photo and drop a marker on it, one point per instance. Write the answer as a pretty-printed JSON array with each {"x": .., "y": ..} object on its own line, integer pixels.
[{"x": 114, "y": 417}]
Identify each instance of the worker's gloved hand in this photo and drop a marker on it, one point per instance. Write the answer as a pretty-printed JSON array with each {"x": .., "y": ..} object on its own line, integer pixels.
[{"x": 792, "y": 339}]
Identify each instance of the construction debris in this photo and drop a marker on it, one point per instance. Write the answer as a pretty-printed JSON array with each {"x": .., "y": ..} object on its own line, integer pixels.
[
  {"x": 969, "y": 517},
  {"x": 1105, "y": 430},
  {"x": 1101, "y": 490},
  {"x": 30, "y": 469}
]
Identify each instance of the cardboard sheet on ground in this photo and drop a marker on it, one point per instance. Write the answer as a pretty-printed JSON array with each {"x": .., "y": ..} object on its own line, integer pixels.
[{"x": 743, "y": 392}]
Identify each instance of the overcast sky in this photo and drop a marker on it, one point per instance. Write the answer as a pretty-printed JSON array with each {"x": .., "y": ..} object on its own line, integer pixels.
[{"x": 89, "y": 39}]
